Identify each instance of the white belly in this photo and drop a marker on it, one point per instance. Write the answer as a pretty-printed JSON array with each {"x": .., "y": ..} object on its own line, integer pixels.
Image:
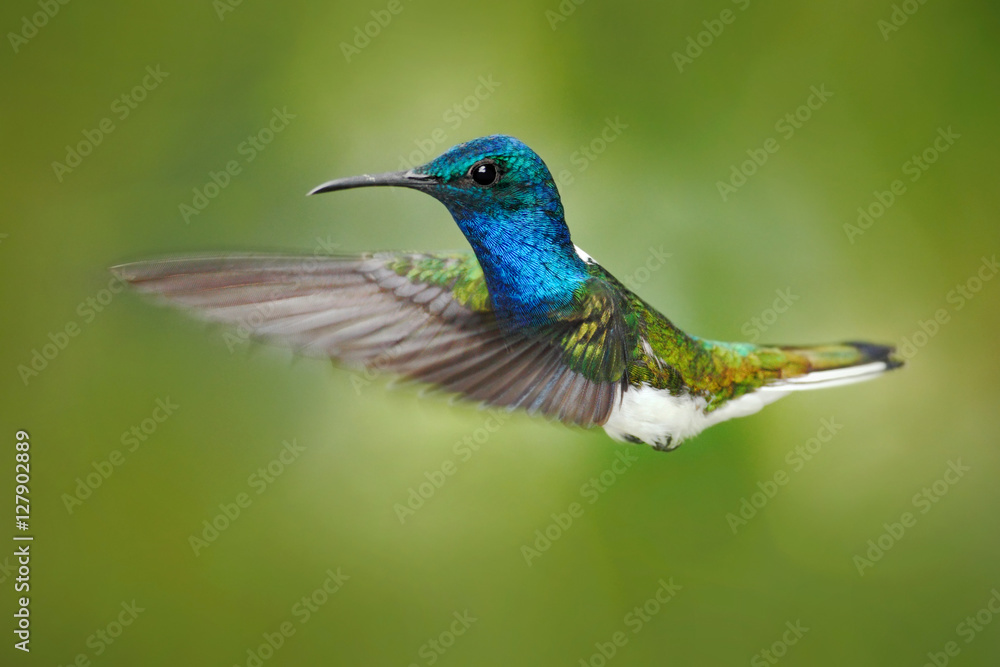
[{"x": 659, "y": 419}]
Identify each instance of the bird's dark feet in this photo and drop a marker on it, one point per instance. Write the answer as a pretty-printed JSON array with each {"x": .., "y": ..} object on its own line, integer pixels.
[{"x": 665, "y": 444}]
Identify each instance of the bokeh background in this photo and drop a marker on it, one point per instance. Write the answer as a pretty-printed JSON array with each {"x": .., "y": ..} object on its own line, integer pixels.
[{"x": 557, "y": 74}]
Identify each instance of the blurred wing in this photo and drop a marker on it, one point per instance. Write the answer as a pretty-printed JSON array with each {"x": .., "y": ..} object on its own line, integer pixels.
[{"x": 426, "y": 317}]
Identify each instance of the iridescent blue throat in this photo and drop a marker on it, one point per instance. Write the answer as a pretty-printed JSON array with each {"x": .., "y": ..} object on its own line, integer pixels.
[{"x": 529, "y": 262}]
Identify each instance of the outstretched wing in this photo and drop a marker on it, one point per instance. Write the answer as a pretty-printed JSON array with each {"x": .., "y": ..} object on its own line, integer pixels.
[{"x": 425, "y": 317}]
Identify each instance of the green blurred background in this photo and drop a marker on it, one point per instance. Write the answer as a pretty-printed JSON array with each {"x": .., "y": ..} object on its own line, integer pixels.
[{"x": 555, "y": 84}]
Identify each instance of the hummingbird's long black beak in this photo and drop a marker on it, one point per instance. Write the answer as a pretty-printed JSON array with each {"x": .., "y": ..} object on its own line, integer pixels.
[{"x": 404, "y": 179}]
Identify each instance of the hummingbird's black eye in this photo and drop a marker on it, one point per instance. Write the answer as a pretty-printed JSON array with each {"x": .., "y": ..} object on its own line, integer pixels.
[{"x": 484, "y": 173}]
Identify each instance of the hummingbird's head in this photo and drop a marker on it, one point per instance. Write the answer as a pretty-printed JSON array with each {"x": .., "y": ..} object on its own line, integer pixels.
[
  {"x": 492, "y": 178},
  {"x": 497, "y": 175},
  {"x": 504, "y": 200}
]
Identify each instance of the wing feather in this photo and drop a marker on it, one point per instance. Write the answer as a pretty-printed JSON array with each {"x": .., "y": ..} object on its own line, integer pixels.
[{"x": 425, "y": 317}]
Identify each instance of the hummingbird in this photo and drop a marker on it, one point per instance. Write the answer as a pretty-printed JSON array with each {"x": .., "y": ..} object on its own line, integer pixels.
[{"x": 527, "y": 320}]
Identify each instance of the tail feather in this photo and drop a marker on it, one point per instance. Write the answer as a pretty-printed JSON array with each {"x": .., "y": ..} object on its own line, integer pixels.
[{"x": 799, "y": 368}]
